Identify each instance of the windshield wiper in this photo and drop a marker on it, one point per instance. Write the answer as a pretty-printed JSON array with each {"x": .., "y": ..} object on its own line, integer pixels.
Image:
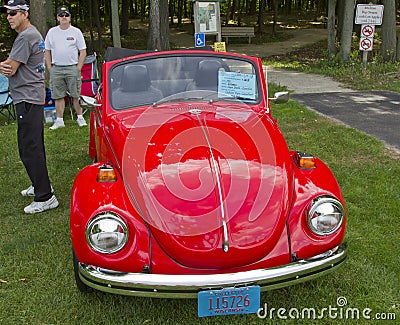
[
  {"x": 177, "y": 99},
  {"x": 224, "y": 99},
  {"x": 231, "y": 99}
]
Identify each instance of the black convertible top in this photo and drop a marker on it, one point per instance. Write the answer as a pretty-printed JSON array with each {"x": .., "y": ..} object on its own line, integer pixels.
[{"x": 115, "y": 53}]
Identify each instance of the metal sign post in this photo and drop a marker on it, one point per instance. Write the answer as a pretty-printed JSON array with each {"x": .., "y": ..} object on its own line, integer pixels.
[
  {"x": 366, "y": 42},
  {"x": 368, "y": 16}
]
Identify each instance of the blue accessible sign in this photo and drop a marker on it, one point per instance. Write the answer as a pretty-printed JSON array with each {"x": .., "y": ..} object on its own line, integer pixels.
[{"x": 199, "y": 39}]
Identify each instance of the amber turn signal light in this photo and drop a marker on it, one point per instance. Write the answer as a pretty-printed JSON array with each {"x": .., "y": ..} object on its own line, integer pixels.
[
  {"x": 106, "y": 174},
  {"x": 304, "y": 160}
]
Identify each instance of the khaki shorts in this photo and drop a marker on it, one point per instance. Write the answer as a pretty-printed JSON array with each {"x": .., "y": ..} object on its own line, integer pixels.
[{"x": 63, "y": 79}]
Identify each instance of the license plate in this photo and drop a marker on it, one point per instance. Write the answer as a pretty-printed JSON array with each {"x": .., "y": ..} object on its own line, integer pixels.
[{"x": 244, "y": 300}]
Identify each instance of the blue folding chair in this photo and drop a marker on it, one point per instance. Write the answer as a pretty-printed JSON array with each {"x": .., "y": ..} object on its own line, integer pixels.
[{"x": 7, "y": 108}]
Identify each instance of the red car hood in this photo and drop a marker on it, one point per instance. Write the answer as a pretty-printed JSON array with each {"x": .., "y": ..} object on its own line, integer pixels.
[{"x": 212, "y": 186}]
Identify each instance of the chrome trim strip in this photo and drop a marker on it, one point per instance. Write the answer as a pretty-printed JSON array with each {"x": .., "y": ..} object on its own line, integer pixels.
[
  {"x": 225, "y": 245},
  {"x": 187, "y": 286}
]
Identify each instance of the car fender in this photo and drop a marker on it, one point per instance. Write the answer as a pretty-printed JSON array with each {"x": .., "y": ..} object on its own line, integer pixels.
[
  {"x": 309, "y": 184},
  {"x": 89, "y": 198}
]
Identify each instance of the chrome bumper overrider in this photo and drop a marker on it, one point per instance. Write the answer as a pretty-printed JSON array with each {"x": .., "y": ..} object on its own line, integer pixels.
[{"x": 187, "y": 286}]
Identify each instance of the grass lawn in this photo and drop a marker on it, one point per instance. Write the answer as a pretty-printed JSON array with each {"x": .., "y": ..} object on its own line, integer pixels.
[{"x": 36, "y": 274}]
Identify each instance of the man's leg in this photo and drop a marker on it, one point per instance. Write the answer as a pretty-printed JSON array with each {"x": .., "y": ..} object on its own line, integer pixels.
[
  {"x": 31, "y": 148},
  {"x": 78, "y": 109},
  {"x": 60, "y": 106},
  {"x": 58, "y": 88}
]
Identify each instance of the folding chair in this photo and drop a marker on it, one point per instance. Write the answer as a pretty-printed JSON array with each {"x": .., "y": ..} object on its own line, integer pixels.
[
  {"x": 90, "y": 81},
  {"x": 7, "y": 108},
  {"x": 90, "y": 78}
]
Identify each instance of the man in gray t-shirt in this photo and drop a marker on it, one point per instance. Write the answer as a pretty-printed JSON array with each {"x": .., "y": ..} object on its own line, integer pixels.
[
  {"x": 25, "y": 67},
  {"x": 27, "y": 84}
]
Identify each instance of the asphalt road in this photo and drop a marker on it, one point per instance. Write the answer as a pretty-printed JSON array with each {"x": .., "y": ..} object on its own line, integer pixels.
[{"x": 376, "y": 113}]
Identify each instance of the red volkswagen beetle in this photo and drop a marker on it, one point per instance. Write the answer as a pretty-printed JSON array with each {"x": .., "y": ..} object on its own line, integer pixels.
[{"x": 194, "y": 192}]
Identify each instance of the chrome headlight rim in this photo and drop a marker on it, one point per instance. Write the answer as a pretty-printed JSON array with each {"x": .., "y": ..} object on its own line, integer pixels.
[
  {"x": 107, "y": 215},
  {"x": 317, "y": 203}
]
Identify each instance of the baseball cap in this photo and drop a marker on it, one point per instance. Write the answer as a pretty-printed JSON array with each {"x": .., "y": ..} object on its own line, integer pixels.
[
  {"x": 62, "y": 9},
  {"x": 15, "y": 5}
]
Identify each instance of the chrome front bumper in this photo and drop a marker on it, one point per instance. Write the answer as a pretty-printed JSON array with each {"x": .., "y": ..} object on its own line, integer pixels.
[{"x": 187, "y": 286}]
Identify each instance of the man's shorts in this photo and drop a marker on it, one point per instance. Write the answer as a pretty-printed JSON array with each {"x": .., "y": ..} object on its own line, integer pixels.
[{"x": 63, "y": 79}]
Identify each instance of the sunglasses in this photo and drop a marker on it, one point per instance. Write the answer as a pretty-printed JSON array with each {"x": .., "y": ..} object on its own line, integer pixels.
[
  {"x": 64, "y": 14},
  {"x": 12, "y": 13}
]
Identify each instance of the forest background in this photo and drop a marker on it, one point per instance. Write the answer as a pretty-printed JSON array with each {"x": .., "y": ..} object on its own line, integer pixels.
[{"x": 107, "y": 22}]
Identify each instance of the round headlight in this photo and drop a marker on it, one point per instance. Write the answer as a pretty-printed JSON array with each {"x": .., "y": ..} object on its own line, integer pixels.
[
  {"x": 107, "y": 233},
  {"x": 325, "y": 216}
]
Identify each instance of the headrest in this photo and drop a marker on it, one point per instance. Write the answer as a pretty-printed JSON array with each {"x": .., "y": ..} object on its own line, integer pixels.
[
  {"x": 207, "y": 73},
  {"x": 135, "y": 78}
]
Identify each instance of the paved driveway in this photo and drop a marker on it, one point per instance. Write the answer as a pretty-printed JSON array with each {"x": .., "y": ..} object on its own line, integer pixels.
[{"x": 376, "y": 113}]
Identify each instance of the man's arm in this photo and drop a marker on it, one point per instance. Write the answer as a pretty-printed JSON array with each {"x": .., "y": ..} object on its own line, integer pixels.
[
  {"x": 81, "y": 60},
  {"x": 9, "y": 67},
  {"x": 47, "y": 57}
]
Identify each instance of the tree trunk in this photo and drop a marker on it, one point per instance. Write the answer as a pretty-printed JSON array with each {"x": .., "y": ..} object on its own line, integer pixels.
[
  {"x": 228, "y": 12},
  {"x": 50, "y": 15},
  {"x": 398, "y": 49},
  {"x": 181, "y": 5},
  {"x": 158, "y": 36},
  {"x": 116, "y": 37},
  {"x": 96, "y": 16},
  {"x": 233, "y": 10},
  {"x": 275, "y": 8},
  {"x": 241, "y": 9},
  {"x": 260, "y": 19},
  {"x": 347, "y": 30},
  {"x": 331, "y": 29},
  {"x": 164, "y": 25},
  {"x": 389, "y": 31},
  {"x": 171, "y": 10},
  {"x": 339, "y": 12},
  {"x": 125, "y": 17},
  {"x": 36, "y": 15},
  {"x": 154, "y": 41}
]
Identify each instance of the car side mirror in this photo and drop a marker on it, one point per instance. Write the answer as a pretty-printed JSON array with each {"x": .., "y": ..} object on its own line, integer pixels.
[
  {"x": 280, "y": 97},
  {"x": 90, "y": 102}
]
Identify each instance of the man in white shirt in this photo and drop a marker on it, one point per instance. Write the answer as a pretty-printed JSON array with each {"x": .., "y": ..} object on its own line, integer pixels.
[{"x": 65, "y": 54}]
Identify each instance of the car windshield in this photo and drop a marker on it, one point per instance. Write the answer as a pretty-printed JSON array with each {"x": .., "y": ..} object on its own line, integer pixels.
[{"x": 159, "y": 80}]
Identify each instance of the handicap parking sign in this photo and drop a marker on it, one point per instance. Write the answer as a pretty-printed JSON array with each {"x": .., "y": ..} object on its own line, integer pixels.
[{"x": 199, "y": 39}]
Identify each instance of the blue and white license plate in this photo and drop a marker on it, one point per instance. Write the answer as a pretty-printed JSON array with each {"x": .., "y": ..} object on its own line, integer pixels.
[{"x": 244, "y": 300}]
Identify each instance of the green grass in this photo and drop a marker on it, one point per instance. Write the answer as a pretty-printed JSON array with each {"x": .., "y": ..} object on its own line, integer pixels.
[{"x": 37, "y": 282}]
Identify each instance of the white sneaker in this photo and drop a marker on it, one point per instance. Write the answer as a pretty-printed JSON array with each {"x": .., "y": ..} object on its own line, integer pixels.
[
  {"x": 30, "y": 191},
  {"x": 36, "y": 207},
  {"x": 57, "y": 124},
  {"x": 81, "y": 121}
]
